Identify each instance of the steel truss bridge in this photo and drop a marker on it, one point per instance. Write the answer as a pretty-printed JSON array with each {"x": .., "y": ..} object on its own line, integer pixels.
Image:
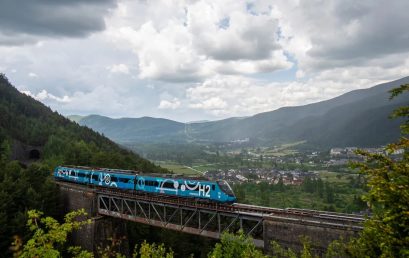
[{"x": 209, "y": 219}]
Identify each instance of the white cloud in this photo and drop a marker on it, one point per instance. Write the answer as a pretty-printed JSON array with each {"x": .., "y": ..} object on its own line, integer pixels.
[
  {"x": 169, "y": 104},
  {"x": 44, "y": 96},
  {"x": 119, "y": 68},
  {"x": 278, "y": 61},
  {"x": 163, "y": 54},
  {"x": 337, "y": 33},
  {"x": 224, "y": 96},
  {"x": 193, "y": 44},
  {"x": 230, "y": 96},
  {"x": 242, "y": 36},
  {"x": 208, "y": 59}
]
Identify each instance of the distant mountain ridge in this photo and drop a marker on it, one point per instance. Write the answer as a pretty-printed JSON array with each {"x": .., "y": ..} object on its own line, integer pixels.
[
  {"x": 144, "y": 129},
  {"x": 356, "y": 118}
]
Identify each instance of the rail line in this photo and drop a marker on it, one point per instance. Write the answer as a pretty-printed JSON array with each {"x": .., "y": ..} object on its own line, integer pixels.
[{"x": 330, "y": 219}]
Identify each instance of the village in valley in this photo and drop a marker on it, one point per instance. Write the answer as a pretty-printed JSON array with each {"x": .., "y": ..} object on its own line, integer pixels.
[{"x": 305, "y": 165}]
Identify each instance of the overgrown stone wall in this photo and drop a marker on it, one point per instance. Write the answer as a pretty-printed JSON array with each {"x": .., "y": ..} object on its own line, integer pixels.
[{"x": 289, "y": 233}]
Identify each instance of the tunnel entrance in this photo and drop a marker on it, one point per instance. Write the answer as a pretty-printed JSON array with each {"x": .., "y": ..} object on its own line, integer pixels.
[{"x": 34, "y": 154}]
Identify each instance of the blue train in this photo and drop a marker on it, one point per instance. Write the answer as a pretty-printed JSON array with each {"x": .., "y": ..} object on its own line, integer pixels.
[{"x": 218, "y": 191}]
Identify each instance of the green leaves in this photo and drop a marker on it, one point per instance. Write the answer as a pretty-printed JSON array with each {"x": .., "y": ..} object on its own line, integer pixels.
[
  {"x": 386, "y": 232},
  {"x": 401, "y": 111},
  {"x": 49, "y": 236},
  {"x": 232, "y": 246},
  {"x": 153, "y": 251}
]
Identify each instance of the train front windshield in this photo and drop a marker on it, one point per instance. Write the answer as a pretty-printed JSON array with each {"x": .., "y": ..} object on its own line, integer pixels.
[{"x": 225, "y": 187}]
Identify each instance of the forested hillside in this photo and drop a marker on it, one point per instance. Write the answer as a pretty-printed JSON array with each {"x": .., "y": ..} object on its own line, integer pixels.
[
  {"x": 27, "y": 184},
  {"x": 28, "y": 121}
]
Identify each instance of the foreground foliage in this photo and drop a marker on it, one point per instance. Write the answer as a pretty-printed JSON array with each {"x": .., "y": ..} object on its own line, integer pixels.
[
  {"x": 49, "y": 236},
  {"x": 232, "y": 246},
  {"x": 386, "y": 233},
  {"x": 49, "y": 239}
]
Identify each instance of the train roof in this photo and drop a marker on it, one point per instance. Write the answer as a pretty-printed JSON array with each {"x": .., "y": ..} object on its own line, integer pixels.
[
  {"x": 175, "y": 176},
  {"x": 133, "y": 172},
  {"x": 122, "y": 171}
]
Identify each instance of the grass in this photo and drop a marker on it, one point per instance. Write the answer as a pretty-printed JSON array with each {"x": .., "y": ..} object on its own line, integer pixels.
[{"x": 334, "y": 177}]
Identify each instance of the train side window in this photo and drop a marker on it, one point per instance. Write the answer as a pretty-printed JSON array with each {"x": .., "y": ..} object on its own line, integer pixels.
[
  {"x": 80, "y": 174},
  {"x": 122, "y": 179},
  {"x": 114, "y": 179},
  {"x": 95, "y": 177},
  {"x": 213, "y": 187},
  {"x": 168, "y": 185},
  {"x": 155, "y": 183}
]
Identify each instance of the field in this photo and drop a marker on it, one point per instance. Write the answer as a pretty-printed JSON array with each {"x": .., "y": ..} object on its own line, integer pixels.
[
  {"x": 335, "y": 177},
  {"x": 177, "y": 168}
]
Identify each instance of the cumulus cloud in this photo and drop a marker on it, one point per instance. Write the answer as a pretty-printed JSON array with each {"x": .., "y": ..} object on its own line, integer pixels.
[
  {"x": 100, "y": 100},
  {"x": 163, "y": 54},
  {"x": 224, "y": 96},
  {"x": 228, "y": 31},
  {"x": 206, "y": 39},
  {"x": 230, "y": 96},
  {"x": 44, "y": 96},
  {"x": 25, "y": 22},
  {"x": 329, "y": 34},
  {"x": 169, "y": 104},
  {"x": 119, "y": 68}
]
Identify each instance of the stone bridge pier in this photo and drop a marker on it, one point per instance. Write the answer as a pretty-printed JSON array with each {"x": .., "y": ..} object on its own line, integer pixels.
[{"x": 101, "y": 230}]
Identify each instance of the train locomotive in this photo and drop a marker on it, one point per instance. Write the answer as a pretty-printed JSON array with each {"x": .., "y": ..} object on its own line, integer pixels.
[{"x": 173, "y": 185}]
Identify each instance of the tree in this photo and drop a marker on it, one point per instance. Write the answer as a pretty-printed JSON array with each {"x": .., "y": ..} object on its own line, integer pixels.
[
  {"x": 306, "y": 252},
  {"x": 232, "y": 246},
  {"x": 153, "y": 251},
  {"x": 49, "y": 236},
  {"x": 386, "y": 232}
]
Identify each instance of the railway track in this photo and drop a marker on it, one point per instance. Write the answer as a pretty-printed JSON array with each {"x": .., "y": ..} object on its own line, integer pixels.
[{"x": 303, "y": 215}]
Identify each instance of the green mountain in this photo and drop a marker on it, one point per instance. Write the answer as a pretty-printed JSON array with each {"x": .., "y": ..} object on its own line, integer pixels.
[
  {"x": 357, "y": 118},
  {"x": 136, "y": 129},
  {"x": 33, "y": 131}
]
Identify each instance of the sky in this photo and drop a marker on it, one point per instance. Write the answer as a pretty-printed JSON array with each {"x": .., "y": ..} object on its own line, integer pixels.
[{"x": 199, "y": 60}]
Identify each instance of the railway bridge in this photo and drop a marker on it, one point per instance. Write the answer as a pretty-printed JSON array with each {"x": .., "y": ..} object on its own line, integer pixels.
[{"x": 263, "y": 224}]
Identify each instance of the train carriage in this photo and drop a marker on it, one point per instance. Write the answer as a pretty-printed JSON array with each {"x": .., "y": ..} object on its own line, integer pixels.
[{"x": 219, "y": 191}]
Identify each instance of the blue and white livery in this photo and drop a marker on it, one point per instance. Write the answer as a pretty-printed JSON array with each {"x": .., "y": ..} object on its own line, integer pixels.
[{"x": 219, "y": 191}]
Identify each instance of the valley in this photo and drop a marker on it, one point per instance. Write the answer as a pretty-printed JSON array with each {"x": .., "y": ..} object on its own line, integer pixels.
[{"x": 292, "y": 157}]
